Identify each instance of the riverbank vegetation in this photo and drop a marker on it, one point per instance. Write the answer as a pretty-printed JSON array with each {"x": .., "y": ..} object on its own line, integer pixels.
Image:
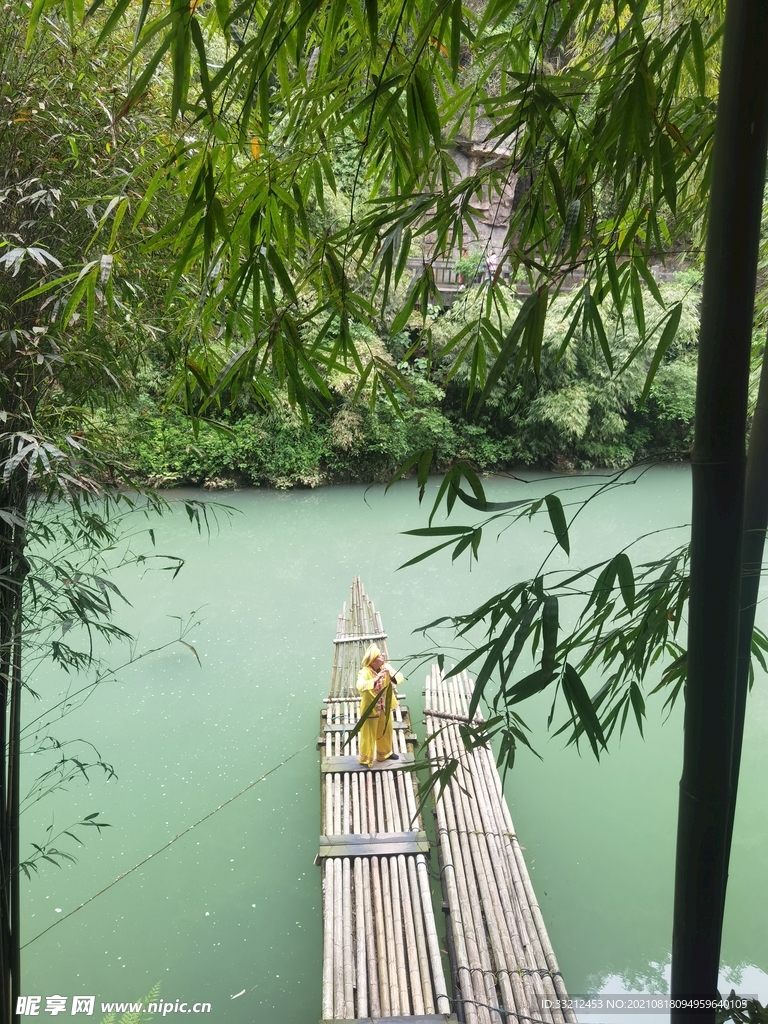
[{"x": 581, "y": 416}]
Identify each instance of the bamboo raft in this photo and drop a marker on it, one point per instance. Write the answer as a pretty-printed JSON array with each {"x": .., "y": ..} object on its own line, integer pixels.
[
  {"x": 502, "y": 962},
  {"x": 381, "y": 955}
]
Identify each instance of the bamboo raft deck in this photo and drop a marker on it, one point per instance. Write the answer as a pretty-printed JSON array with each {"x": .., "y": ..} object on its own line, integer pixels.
[
  {"x": 501, "y": 958},
  {"x": 381, "y": 955}
]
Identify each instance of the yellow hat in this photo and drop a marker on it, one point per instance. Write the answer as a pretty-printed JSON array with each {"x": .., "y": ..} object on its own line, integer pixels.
[{"x": 370, "y": 655}]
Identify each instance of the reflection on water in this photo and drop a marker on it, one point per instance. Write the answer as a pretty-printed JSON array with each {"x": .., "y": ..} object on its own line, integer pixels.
[{"x": 231, "y": 912}]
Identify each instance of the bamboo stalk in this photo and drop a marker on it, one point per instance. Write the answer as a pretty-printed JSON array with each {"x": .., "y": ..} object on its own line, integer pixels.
[
  {"x": 418, "y": 961},
  {"x": 397, "y": 925},
  {"x": 328, "y": 934},
  {"x": 370, "y": 941},
  {"x": 355, "y": 785},
  {"x": 348, "y": 960},
  {"x": 386, "y": 950},
  {"x": 384, "y": 939},
  {"x": 336, "y": 803},
  {"x": 338, "y": 941},
  {"x": 381, "y": 825},
  {"x": 386, "y": 784},
  {"x": 433, "y": 944},
  {"x": 328, "y": 818},
  {"x": 412, "y": 819},
  {"x": 345, "y": 805}
]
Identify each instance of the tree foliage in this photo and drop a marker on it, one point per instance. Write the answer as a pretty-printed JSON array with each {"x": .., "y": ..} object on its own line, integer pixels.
[{"x": 602, "y": 113}]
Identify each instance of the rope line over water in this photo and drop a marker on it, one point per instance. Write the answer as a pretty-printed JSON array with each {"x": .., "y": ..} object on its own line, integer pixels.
[{"x": 170, "y": 842}]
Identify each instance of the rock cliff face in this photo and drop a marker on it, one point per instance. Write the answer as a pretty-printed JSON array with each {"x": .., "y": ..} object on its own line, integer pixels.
[{"x": 479, "y": 153}]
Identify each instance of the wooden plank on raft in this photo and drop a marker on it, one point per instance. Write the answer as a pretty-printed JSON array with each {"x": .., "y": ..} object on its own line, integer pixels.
[
  {"x": 355, "y": 696},
  {"x": 382, "y": 844},
  {"x": 351, "y": 763},
  {"x": 365, "y": 838},
  {"x": 348, "y": 726},
  {"x": 360, "y": 637}
]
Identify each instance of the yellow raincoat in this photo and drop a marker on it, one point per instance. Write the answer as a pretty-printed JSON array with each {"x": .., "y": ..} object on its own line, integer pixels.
[{"x": 376, "y": 731}]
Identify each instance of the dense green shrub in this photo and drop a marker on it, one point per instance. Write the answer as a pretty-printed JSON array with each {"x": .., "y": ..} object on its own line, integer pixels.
[{"x": 578, "y": 414}]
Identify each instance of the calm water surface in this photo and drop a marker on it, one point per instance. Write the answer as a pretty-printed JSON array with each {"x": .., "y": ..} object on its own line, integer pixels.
[{"x": 235, "y": 904}]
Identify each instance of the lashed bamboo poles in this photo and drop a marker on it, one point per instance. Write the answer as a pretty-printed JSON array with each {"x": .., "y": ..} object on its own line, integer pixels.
[
  {"x": 481, "y": 854},
  {"x": 381, "y": 955},
  {"x": 522, "y": 879}
]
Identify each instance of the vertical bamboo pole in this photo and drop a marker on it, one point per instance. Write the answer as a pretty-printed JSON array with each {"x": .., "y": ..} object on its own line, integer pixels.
[
  {"x": 328, "y": 935},
  {"x": 338, "y": 940},
  {"x": 397, "y": 926},
  {"x": 422, "y": 953},
  {"x": 370, "y": 942},
  {"x": 433, "y": 944},
  {"x": 381, "y": 825},
  {"x": 348, "y": 960},
  {"x": 381, "y": 937}
]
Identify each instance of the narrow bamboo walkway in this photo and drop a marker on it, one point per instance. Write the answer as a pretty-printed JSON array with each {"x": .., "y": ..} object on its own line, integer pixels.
[
  {"x": 381, "y": 956},
  {"x": 502, "y": 961}
]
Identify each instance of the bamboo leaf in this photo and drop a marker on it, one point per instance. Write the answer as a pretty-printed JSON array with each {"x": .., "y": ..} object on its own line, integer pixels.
[
  {"x": 549, "y": 630},
  {"x": 669, "y": 177},
  {"x": 697, "y": 45},
  {"x": 557, "y": 519},
  {"x": 626, "y": 576},
  {"x": 579, "y": 699},
  {"x": 372, "y": 15},
  {"x": 638, "y": 705},
  {"x": 667, "y": 336}
]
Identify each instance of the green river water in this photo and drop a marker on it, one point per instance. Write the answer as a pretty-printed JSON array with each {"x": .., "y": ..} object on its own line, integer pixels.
[{"x": 236, "y": 903}]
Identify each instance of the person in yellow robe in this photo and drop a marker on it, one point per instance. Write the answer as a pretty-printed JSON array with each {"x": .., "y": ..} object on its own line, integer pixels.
[{"x": 376, "y": 682}]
